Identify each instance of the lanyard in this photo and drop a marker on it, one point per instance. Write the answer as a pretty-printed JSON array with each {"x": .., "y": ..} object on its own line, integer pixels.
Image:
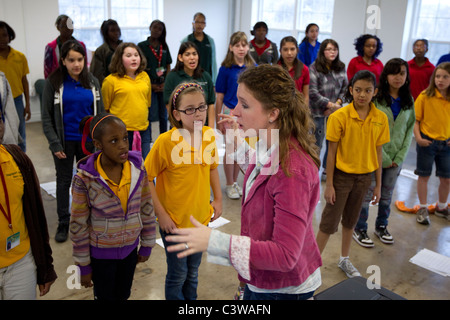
[
  {"x": 6, "y": 214},
  {"x": 156, "y": 55}
]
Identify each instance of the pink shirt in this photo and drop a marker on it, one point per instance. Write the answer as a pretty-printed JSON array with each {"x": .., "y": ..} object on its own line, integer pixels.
[
  {"x": 277, "y": 247},
  {"x": 302, "y": 80}
]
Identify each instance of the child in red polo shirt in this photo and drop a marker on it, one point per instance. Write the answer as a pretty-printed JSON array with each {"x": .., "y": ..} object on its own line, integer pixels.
[
  {"x": 368, "y": 48},
  {"x": 420, "y": 68}
]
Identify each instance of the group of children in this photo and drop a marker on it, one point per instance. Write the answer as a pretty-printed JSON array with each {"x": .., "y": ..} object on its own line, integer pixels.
[{"x": 115, "y": 200}]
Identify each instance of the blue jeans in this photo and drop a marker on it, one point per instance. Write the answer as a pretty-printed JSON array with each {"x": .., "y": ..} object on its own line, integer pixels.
[
  {"x": 250, "y": 295},
  {"x": 182, "y": 274},
  {"x": 388, "y": 180},
  {"x": 145, "y": 141},
  {"x": 437, "y": 152},
  {"x": 20, "y": 107},
  {"x": 320, "y": 134}
]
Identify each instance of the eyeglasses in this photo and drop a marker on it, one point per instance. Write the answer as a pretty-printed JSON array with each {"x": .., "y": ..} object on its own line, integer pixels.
[{"x": 191, "y": 111}]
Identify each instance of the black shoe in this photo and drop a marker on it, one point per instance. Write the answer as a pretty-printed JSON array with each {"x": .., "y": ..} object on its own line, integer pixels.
[
  {"x": 362, "y": 238},
  {"x": 384, "y": 235},
  {"x": 61, "y": 232}
]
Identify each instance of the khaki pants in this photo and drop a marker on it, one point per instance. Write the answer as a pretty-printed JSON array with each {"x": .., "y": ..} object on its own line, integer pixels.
[
  {"x": 18, "y": 281},
  {"x": 350, "y": 192}
]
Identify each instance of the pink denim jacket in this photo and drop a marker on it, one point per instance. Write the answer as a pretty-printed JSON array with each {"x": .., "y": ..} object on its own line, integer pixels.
[{"x": 277, "y": 247}]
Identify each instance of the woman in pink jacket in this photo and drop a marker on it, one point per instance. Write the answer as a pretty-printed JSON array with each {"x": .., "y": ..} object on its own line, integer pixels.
[{"x": 276, "y": 254}]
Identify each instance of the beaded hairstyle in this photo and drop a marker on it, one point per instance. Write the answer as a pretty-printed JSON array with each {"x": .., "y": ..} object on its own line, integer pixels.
[{"x": 183, "y": 88}]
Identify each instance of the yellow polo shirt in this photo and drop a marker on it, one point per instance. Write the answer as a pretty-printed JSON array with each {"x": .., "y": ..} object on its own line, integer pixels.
[
  {"x": 121, "y": 190},
  {"x": 182, "y": 175},
  {"x": 129, "y": 99},
  {"x": 433, "y": 113},
  {"x": 15, "y": 67},
  {"x": 357, "y": 139},
  {"x": 14, "y": 182}
]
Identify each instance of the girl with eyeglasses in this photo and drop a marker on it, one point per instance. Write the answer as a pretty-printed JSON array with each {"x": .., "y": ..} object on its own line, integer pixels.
[
  {"x": 188, "y": 69},
  {"x": 327, "y": 88},
  {"x": 184, "y": 162}
]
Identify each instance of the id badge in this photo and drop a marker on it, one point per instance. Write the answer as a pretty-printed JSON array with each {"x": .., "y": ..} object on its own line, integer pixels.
[
  {"x": 12, "y": 241},
  {"x": 160, "y": 71}
]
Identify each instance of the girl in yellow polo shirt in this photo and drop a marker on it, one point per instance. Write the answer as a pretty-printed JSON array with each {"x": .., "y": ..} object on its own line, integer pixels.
[
  {"x": 184, "y": 162},
  {"x": 127, "y": 92},
  {"x": 432, "y": 134},
  {"x": 356, "y": 134}
]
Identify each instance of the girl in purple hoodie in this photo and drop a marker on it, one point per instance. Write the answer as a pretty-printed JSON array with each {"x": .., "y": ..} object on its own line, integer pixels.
[{"x": 112, "y": 213}]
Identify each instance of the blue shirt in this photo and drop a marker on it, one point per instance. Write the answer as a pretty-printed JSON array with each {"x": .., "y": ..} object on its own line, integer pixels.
[
  {"x": 77, "y": 103},
  {"x": 226, "y": 83},
  {"x": 395, "y": 107},
  {"x": 444, "y": 58},
  {"x": 307, "y": 53}
]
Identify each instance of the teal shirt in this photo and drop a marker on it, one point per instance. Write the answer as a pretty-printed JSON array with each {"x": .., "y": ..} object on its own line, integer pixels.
[
  {"x": 174, "y": 78},
  {"x": 401, "y": 132}
]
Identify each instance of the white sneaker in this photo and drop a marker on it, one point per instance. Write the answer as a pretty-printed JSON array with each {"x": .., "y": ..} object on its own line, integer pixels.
[
  {"x": 232, "y": 193},
  {"x": 348, "y": 268},
  {"x": 238, "y": 188}
]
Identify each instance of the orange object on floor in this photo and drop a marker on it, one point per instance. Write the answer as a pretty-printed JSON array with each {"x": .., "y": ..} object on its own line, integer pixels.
[{"x": 400, "y": 205}]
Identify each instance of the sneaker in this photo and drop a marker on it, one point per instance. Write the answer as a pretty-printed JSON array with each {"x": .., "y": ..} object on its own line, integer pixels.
[
  {"x": 238, "y": 188},
  {"x": 442, "y": 213},
  {"x": 362, "y": 238},
  {"x": 384, "y": 235},
  {"x": 62, "y": 232},
  {"x": 348, "y": 268},
  {"x": 239, "y": 295},
  {"x": 423, "y": 216},
  {"x": 232, "y": 193}
]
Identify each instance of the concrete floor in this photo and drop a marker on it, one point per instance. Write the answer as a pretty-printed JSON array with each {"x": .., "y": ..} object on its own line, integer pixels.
[{"x": 219, "y": 283}]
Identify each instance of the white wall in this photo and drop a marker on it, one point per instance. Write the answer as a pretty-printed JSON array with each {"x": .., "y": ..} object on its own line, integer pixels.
[
  {"x": 178, "y": 17},
  {"x": 350, "y": 21},
  {"x": 33, "y": 22}
]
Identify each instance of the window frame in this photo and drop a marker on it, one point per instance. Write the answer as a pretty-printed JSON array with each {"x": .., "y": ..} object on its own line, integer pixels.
[
  {"x": 413, "y": 36},
  {"x": 157, "y": 13},
  {"x": 298, "y": 33}
]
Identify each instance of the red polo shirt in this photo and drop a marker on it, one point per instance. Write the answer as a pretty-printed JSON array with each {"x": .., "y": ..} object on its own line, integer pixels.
[
  {"x": 358, "y": 63},
  {"x": 420, "y": 76}
]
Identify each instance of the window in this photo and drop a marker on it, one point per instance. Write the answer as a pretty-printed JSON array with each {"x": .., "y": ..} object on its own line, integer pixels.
[
  {"x": 133, "y": 16},
  {"x": 290, "y": 17},
  {"x": 431, "y": 22}
]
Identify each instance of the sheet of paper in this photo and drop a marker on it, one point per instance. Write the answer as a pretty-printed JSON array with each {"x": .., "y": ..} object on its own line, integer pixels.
[
  {"x": 50, "y": 188},
  {"x": 409, "y": 174},
  {"x": 432, "y": 261},
  {"x": 213, "y": 225}
]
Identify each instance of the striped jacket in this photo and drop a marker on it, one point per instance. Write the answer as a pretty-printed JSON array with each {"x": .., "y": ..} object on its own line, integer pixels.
[{"x": 99, "y": 227}]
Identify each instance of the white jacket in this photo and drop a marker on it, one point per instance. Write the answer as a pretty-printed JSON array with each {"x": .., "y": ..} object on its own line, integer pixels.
[{"x": 11, "y": 118}]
